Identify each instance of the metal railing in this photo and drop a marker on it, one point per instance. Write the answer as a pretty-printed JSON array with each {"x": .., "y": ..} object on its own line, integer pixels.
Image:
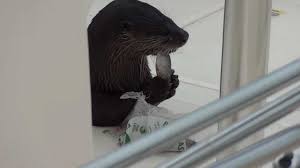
[
  {"x": 237, "y": 132},
  {"x": 263, "y": 151}
]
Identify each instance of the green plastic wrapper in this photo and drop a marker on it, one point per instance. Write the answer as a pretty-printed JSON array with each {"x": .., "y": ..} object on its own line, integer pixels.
[{"x": 146, "y": 118}]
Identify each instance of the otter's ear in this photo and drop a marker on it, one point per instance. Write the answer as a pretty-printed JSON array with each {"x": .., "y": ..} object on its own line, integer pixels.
[{"x": 126, "y": 25}]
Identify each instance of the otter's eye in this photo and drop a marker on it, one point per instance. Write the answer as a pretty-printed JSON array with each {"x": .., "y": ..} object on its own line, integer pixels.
[
  {"x": 165, "y": 33},
  {"x": 159, "y": 32},
  {"x": 126, "y": 26}
]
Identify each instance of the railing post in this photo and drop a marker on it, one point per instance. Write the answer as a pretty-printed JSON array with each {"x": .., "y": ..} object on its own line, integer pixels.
[{"x": 245, "y": 53}]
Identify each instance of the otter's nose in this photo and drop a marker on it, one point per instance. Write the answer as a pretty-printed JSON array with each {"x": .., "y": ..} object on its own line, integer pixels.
[
  {"x": 178, "y": 36},
  {"x": 185, "y": 36},
  {"x": 181, "y": 37}
]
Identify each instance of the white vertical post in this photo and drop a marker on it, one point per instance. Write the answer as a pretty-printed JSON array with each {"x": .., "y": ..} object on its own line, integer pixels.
[
  {"x": 45, "y": 118},
  {"x": 245, "y": 53}
]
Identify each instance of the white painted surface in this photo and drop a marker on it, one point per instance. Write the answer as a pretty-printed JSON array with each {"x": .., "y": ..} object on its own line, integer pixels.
[{"x": 44, "y": 89}]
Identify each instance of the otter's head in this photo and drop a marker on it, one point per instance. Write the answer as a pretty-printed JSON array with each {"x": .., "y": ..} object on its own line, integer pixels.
[{"x": 146, "y": 28}]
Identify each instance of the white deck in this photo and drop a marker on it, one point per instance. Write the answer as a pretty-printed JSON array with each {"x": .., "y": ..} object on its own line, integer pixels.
[{"x": 199, "y": 62}]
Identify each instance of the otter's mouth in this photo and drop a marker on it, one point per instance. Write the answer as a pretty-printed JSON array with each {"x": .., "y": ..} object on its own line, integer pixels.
[
  {"x": 162, "y": 49},
  {"x": 165, "y": 51},
  {"x": 172, "y": 50}
]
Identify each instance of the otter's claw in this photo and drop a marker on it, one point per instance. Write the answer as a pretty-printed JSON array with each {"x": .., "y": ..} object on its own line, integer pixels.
[{"x": 174, "y": 83}]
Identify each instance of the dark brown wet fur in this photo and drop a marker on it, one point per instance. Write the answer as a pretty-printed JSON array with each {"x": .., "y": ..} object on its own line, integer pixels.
[{"x": 120, "y": 37}]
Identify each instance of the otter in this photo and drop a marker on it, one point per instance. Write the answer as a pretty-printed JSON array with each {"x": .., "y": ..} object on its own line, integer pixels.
[{"x": 120, "y": 38}]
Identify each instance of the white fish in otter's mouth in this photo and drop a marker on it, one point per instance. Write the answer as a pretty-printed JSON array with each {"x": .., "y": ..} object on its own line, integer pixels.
[{"x": 163, "y": 66}]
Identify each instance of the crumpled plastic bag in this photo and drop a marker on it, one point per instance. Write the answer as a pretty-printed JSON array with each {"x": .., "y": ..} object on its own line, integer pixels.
[{"x": 144, "y": 119}]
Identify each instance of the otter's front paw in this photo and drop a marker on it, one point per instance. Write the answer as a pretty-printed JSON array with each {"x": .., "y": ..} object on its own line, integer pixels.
[{"x": 159, "y": 89}]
